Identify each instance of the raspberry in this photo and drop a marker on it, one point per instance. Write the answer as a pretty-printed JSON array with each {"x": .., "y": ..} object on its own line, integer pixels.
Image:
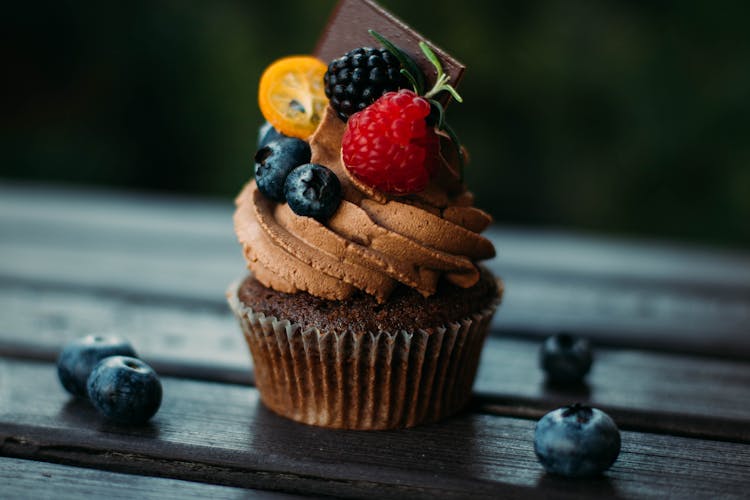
[
  {"x": 389, "y": 145},
  {"x": 359, "y": 77}
]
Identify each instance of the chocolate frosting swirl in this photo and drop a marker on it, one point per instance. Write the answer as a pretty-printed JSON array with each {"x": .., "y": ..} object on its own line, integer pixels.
[{"x": 371, "y": 243}]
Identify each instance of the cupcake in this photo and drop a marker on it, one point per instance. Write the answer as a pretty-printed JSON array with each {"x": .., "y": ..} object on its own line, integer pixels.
[{"x": 365, "y": 306}]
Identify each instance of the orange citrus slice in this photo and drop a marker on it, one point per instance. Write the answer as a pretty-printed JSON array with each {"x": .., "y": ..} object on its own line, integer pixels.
[{"x": 291, "y": 95}]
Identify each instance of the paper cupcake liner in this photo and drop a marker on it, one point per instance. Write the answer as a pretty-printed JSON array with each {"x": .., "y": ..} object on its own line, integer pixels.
[{"x": 348, "y": 380}]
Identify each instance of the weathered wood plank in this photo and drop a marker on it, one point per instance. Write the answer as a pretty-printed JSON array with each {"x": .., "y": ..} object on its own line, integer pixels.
[
  {"x": 38, "y": 214},
  {"x": 646, "y": 390},
  {"x": 677, "y": 394},
  {"x": 620, "y": 312},
  {"x": 38, "y": 321},
  {"x": 42, "y": 480},
  {"x": 619, "y": 292},
  {"x": 220, "y": 434}
]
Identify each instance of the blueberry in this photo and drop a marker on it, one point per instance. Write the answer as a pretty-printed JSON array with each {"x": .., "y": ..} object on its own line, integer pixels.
[
  {"x": 266, "y": 134},
  {"x": 124, "y": 389},
  {"x": 79, "y": 357},
  {"x": 565, "y": 358},
  {"x": 275, "y": 160},
  {"x": 313, "y": 190},
  {"x": 576, "y": 441}
]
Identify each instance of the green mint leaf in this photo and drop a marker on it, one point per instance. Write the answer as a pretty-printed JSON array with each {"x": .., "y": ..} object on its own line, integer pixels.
[
  {"x": 457, "y": 143},
  {"x": 441, "y": 82},
  {"x": 407, "y": 63},
  {"x": 452, "y": 91},
  {"x": 430, "y": 55},
  {"x": 441, "y": 113},
  {"x": 411, "y": 79}
]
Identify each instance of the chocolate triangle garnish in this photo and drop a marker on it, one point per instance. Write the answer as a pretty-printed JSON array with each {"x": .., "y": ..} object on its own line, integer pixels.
[{"x": 348, "y": 27}]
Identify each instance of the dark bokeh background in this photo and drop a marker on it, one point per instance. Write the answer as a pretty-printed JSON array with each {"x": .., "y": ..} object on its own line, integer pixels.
[{"x": 619, "y": 116}]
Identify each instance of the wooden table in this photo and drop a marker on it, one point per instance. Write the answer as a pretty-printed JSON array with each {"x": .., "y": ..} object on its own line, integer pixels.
[{"x": 672, "y": 366}]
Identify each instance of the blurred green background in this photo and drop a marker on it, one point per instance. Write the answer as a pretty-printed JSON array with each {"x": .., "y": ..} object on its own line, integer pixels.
[{"x": 627, "y": 117}]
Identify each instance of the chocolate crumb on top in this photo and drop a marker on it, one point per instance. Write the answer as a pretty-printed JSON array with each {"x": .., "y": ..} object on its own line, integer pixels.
[{"x": 405, "y": 309}]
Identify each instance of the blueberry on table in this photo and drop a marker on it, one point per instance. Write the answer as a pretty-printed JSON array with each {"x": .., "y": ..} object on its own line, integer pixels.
[
  {"x": 79, "y": 357},
  {"x": 576, "y": 441},
  {"x": 275, "y": 160},
  {"x": 313, "y": 190},
  {"x": 565, "y": 358},
  {"x": 125, "y": 389},
  {"x": 266, "y": 134}
]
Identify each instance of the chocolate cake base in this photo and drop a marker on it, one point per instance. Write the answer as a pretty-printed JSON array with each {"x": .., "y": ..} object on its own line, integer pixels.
[
  {"x": 404, "y": 309},
  {"x": 357, "y": 364}
]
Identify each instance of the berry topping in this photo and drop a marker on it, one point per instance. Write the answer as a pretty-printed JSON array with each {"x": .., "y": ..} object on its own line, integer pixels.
[
  {"x": 566, "y": 359},
  {"x": 125, "y": 389},
  {"x": 576, "y": 441},
  {"x": 359, "y": 77},
  {"x": 291, "y": 95},
  {"x": 389, "y": 145},
  {"x": 79, "y": 357},
  {"x": 266, "y": 134},
  {"x": 312, "y": 190},
  {"x": 275, "y": 160}
]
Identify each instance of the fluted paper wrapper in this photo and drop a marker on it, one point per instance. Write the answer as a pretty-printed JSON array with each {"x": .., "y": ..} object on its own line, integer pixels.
[{"x": 348, "y": 380}]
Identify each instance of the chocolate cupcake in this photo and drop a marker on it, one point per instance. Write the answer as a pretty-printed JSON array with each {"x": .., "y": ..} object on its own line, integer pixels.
[
  {"x": 365, "y": 307},
  {"x": 360, "y": 364}
]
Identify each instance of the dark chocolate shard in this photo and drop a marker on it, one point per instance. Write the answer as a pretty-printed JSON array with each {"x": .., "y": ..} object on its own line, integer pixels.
[{"x": 348, "y": 28}]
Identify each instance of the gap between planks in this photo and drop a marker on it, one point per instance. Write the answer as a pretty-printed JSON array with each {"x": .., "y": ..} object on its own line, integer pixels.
[
  {"x": 221, "y": 434},
  {"x": 616, "y": 291},
  {"x": 683, "y": 395}
]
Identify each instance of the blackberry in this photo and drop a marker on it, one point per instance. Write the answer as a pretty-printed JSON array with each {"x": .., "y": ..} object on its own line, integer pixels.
[{"x": 359, "y": 77}]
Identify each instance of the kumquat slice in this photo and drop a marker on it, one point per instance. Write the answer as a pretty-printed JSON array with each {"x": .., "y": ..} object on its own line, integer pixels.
[{"x": 291, "y": 95}]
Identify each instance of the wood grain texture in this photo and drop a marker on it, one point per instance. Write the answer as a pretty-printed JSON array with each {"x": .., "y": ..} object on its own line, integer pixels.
[
  {"x": 184, "y": 337},
  {"x": 41, "y": 480},
  {"x": 55, "y": 215},
  {"x": 676, "y": 394},
  {"x": 74, "y": 262},
  {"x": 619, "y": 292},
  {"x": 245, "y": 445},
  {"x": 625, "y": 313},
  {"x": 650, "y": 391}
]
